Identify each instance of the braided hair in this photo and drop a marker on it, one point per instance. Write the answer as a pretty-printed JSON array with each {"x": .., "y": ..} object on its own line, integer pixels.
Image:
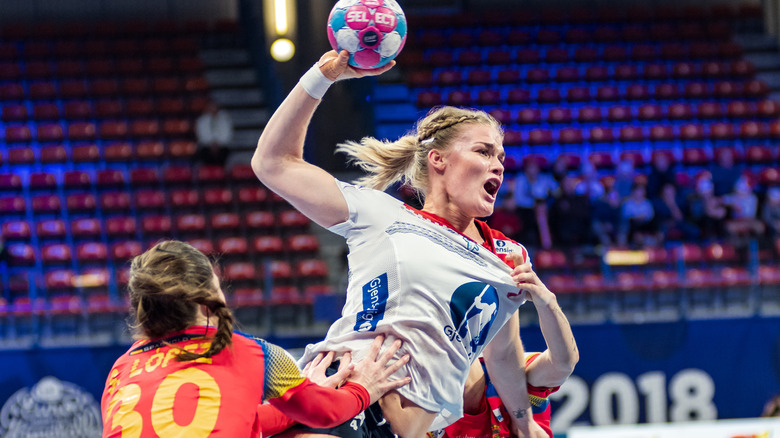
[
  {"x": 406, "y": 159},
  {"x": 167, "y": 284}
]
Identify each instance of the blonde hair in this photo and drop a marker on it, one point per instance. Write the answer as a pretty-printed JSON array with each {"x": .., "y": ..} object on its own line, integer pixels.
[
  {"x": 167, "y": 284},
  {"x": 406, "y": 159}
]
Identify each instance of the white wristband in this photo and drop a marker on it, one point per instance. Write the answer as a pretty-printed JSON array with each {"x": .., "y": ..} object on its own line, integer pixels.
[{"x": 315, "y": 83}]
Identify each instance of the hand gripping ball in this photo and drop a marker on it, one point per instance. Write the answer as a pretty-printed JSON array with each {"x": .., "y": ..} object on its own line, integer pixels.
[{"x": 372, "y": 31}]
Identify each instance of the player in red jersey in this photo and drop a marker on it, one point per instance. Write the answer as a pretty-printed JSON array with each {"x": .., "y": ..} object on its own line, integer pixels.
[
  {"x": 485, "y": 415},
  {"x": 190, "y": 375}
]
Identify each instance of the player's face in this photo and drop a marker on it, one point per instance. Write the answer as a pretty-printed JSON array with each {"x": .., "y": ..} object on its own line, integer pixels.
[{"x": 474, "y": 170}]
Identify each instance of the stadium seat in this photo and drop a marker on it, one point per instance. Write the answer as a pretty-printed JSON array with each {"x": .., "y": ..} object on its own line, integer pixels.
[
  {"x": 112, "y": 201},
  {"x": 120, "y": 226},
  {"x": 53, "y": 154},
  {"x": 56, "y": 254},
  {"x": 21, "y": 254},
  {"x": 12, "y": 205},
  {"x": 46, "y": 204},
  {"x": 600, "y": 134},
  {"x": 240, "y": 272},
  {"x": 176, "y": 175},
  {"x": 192, "y": 223},
  {"x": 12, "y": 92},
  {"x": 91, "y": 252},
  {"x": 182, "y": 149},
  {"x": 303, "y": 243},
  {"x": 16, "y": 230},
  {"x": 42, "y": 181},
  {"x": 259, "y": 220},
  {"x": 233, "y": 246},
  {"x": 758, "y": 154},
  {"x": 108, "y": 109},
  {"x": 46, "y": 111},
  {"x": 86, "y": 228},
  {"x": 118, "y": 151},
  {"x": 123, "y": 251},
  {"x": 42, "y": 90},
  {"x": 144, "y": 128},
  {"x": 693, "y": 156},
  {"x": 150, "y": 150},
  {"x": 226, "y": 221},
  {"x": 113, "y": 129},
  {"x": 73, "y": 89},
  {"x": 268, "y": 245},
  {"x": 85, "y": 153},
  {"x": 184, "y": 198},
  {"x": 589, "y": 114},
  {"x": 80, "y": 202},
  {"x": 17, "y": 134},
  {"x": 144, "y": 176},
  {"x": 311, "y": 269},
  {"x": 150, "y": 199}
]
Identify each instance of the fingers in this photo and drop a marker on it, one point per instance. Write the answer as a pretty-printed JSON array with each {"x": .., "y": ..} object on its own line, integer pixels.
[
  {"x": 346, "y": 360},
  {"x": 395, "y": 366},
  {"x": 376, "y": 345}
]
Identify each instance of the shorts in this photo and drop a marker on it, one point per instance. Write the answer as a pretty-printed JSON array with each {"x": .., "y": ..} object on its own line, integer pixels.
[{"x": 370, "y": 423}]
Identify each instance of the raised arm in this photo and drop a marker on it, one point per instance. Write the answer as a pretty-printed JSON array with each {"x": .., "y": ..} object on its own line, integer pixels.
[{"x": 278, "y": 160}]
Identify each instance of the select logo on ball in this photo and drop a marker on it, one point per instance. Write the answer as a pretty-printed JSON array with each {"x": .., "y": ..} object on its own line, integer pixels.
[{"x": 372, "y": 31}]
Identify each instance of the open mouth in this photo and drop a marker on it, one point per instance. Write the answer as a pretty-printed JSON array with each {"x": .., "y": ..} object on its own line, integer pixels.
[{"x": 491, "y": 187}]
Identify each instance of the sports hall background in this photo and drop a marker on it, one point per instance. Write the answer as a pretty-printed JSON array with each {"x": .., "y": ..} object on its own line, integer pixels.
[{"x": 97, "y": 161}]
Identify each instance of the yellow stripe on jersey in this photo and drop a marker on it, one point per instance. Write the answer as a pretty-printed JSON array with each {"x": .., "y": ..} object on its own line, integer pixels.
[{"x": 281, "y": 372}]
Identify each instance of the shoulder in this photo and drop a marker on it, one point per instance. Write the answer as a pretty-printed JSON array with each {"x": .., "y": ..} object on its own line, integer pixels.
[{"x": 505, "y": 245}]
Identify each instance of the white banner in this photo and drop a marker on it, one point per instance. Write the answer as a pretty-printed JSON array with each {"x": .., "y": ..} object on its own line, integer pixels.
[{"x": 742, "y": 428}]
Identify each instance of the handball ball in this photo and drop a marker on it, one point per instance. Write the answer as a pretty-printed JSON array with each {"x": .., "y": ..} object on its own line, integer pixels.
[{"x": 372, "y": 31}]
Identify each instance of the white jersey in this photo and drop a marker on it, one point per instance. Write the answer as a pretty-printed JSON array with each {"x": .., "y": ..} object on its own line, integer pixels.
[{"x": 415, "y": 278}]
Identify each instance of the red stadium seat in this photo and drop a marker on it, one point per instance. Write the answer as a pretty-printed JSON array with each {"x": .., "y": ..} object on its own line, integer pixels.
[
  {"x": 692, "y": 131},
  {"x": 46, "y": 204},
  {"x": 233, "y": 246},
  {"x": 144, "y": 176},
  {"x": 692, "y": 156},
  {"x": 114, "y": 201},
  {"x": 42, "y": 90},
  {"x": 268, "y": 245},
  {"x": 17, "y": 134},
  {"x": 46, "y": 111},
  {"x": 184, "y": 198},
  {"x": 217, "y": 197},
  {"x": 81, "y": 202},
  {"x": 56, "y": 254},
  {"x": 92, "y": 252},
  {"x": 240, "y": 271},
  {"x": 120, "y": 226},
  {"x": 49, "y": 132},
  {"x": 108, "y": 109},
  {"x": 84, "y": 228},
  {"x": 156, "y": 225},
  {"x": 601, "y": 134},
  {"x": 53, "y": 154},
  {"x": 311, "y": 269},
  {"x": 51, "y": 229},
  {"x": 179, "y": 149},
  {"x": 191, "y": 223},
  {"x": 42, "y": 181},
  {"x": 12, "y": 205},
  {"x": 303, "y": 243},
  {"x": 150, "y": 150},
  {"x": 113, "y": 129},
  {"x": 85, "y": 153},
  {"x": 758, "y": 154},
  {"x": 175, "y": 175},
  {"x": 16, "y": 230},
  {"x": 125, "y": 250},
  {"x": 529, "y": 116},
  {"x": 225, "y": 221},
  {"x": 259, "y": 220},
  {"x": 570, "y": 135},
  {"x": 589, "y": 114},
  {"x": 118, "y": 151},
  {"x": 149, "y": 199}
]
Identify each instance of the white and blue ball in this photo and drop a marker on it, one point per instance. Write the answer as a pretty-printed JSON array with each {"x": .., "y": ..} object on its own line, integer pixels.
[{"x": 372, "y": 31}]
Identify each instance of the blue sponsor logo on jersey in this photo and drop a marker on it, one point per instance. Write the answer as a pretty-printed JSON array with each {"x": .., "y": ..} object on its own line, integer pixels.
[
  {"x": 473, "y": 308},
  {"x": 374, "y": 302},
  {"x": 506, "y": 246}
]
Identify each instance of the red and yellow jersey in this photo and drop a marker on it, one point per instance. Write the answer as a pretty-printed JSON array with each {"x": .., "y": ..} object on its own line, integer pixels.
[
  {"x": 492, "y": 419},
  {"x": 149, "y": 393}
]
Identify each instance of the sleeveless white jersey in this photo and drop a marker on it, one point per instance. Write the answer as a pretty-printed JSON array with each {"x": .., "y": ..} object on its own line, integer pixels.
[{"x": 415, "y": 278}]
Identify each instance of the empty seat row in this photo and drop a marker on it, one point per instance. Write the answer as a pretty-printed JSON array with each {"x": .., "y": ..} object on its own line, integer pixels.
[
  {"x": 118, "y": 151},
  {"x": 638, "y": 73},
  {"x": 704, "y": 52},
  {"x": 100, "y": 68},
  {"x": 107, "y": 130},
  {"x": 519, "y": 36},
  {"x": 648, "y": 112},
  {"x": 102, "y": 88},
  {"x": 104, "y": 109},
  {"x": 66, "y": 49},
  {"x": 727, "y": 90},
  {"x": 749, "y": 130}
]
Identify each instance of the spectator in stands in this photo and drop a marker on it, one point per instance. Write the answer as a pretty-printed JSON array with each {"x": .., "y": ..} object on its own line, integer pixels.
[
  {"x": 560, "y": 169},
  {"x": 636, "y": 219},
  {"x": 743, "y": 218},
  {"x": 570, "y": 216},
  {"x": 605, "y": 218},
  {"x": 770, "y": 212},
  {"x": 724, "y": 173},
  {"x": 706, "y": 210},
  {"x": 185, "y": 332},
  {"x": 624, "y": 177},
  {"x": 670, "y": 219},
  {"x": 214, "y": 131},
  {"x": 423, "y": 265},
  {"x": 590, "y": 185},
  {"x": 532, "y": 190},
  {"x": 661, "y": 173},
  {"x": 484, "y": 412}
]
